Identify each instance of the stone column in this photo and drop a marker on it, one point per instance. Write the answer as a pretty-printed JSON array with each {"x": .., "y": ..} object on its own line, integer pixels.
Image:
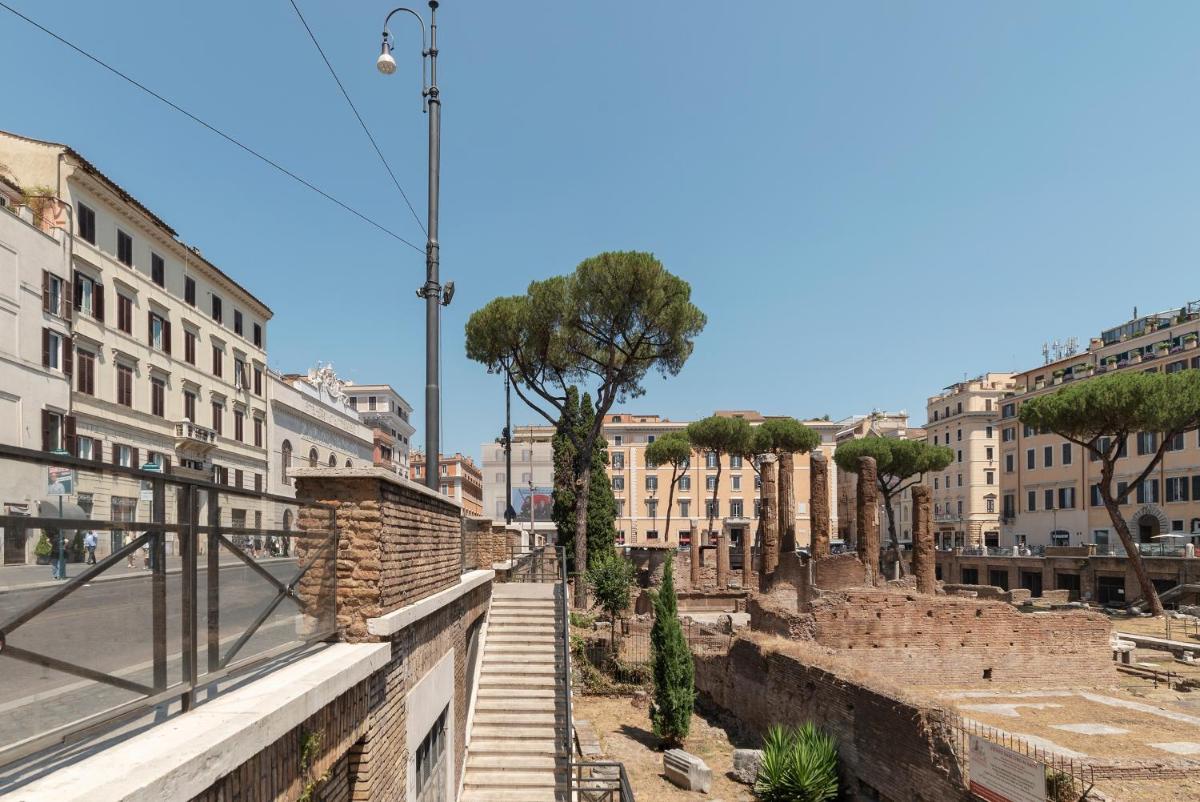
[
  {"x": 787, "y": 503},
  {"x": 694, "y": 558},
  {"x": 867, "y": 518},
  {"x": 747, "y": 558},
  {"x": 723, "y": 558},
  {"x": 923, "y": 555},
  {"x": 770, "y": 513},
  {"x": 818, "y": 503}
]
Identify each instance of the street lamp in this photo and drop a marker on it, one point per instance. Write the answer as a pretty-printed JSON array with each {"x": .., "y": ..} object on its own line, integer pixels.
[{"x": 432, "y": 291}]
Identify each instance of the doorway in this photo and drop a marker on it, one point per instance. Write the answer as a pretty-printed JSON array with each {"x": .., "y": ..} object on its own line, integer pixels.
[
  {"x": 1032, "y": 582},
  {"x": 1148, "y": 528}
]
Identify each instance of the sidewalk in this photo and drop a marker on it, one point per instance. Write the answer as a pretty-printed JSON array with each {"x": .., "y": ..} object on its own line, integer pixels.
[{"x": 27, "y": 577}]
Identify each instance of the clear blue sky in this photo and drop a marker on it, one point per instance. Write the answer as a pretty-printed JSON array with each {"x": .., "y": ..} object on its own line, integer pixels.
[{"x": 889, "y": 195}]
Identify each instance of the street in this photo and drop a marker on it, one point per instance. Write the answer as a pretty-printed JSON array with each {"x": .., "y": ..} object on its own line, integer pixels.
[{"x": 106, "y": 626}]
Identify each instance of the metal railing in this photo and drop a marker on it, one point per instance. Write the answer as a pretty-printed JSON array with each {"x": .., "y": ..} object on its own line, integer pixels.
[
  {"x": 69, "y": 650},
  {"x": 599, "y": 781},
  {"x": 567, "y": 726},
  {"x": 529, "y": 565}
]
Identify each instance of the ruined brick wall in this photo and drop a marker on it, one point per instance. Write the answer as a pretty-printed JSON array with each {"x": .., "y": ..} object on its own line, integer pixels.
[
  {"x": 889, "y": 748},
  {"x": 485, "y": 542},
  {"x": 839, "y": 571},
  {"x": 947, "y": 641},
  {"x": 683, "y": 569},
  {"x": 277, "y": 771}
]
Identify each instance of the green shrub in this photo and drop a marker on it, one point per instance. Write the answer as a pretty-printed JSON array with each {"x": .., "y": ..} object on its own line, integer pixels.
[
  {"x": 43, "y": 547},
  {"x": 674, "y": 673},
  {"x": 1060, "y": 787},
  {"x": 582, "y": 620},
  {"x": 798, "y": 765}
]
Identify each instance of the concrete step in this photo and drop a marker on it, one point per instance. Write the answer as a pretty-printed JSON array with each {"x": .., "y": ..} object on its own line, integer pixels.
[
  {"x": 491, "y": 692},
  {"x": 522, "y": 618},
  {"x": 542, "y": 747},
  {"x": 522, "y": 733},
  {"x": 524, "y": 630},
  {"x": 509, "y": 779},
  {"x": 522, "y": 590},
  {"x": 529, "y": 658},
  {"x": 510, "y": 667},
  {"x": 523, "y": 647},
  {"x": 517, "y": 682},
  {"x": 515, "y": 705},
  {"x": 508, "y": 795},
  {"x": 500, "y": 718},
  {"x": 521, "y": 762}
]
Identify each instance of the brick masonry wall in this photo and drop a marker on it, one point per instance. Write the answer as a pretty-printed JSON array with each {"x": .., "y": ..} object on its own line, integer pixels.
[
  {"x": 946, "y": 641},
  {"x": 683, "y": 568},
  {"x": 889, "y": 748},
  {"x": 277, "y": 772},
  {"x": 485, "y": 542}
]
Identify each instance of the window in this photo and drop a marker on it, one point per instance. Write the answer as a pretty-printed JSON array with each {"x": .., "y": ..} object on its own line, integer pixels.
[
  {"x": 935, "y": 483},
  {"x": 958, "y": 436},
  {"x": 1066, "y": 498},
  {"x": 55, "y": 355},
  {"x": 125, "y": 385},
  {"x": 216, "y": 361},
  {"x": 124, "y": 248},
  {"x": 354, "y": 405},
  {"x": 1031, "y": 501},
  {"x": 989, "y": 453},
  {"x": 160, "y": 333},
  {"x": 989, "y": 477},
  {"x": 54, "y": 436},
  {"x": 124, "y": 456},
  {"x": 1008, "y": 434},
  {"x": 189, "y": 290},
  {"x": 1030, "y": 459},
  {"x": 711, "y": 459},
  {"x": 1147, "y": 443},
  {"x": 258, "y": 431},
  {"x": 86, "y": 223},
  {"x": 1175, "y": 443},
  {"x": 1122, "y": 490},
  {"x": 652, "y": 507},
  {"x": 1048, "y": 457},
  {"x": 649, "y": 438},
  {"x": 735, "y": 481},
  {"x": 1010, "y": 507},
  {"x": 237, "y": 322},
  {"x": 1008, "y": 411},
  {"x": 649, "y": 462},
  {"x": 1147, "y": 491},
  {"x": 217, "y": 315},
  {"x": 54, "y": 294},
  {"x": 258, "y": 336},
  {"x": 85, "y": 372},
  {"x": 1095, "y": 498},
  {"x": 239, "y": 425},
  {"x": 960, "y": 508},
  {"x": 1177, "y": 488},
  {"x": 158, "y": 270},
  {"x": 618, "y": 440},
  {"x": 1196, "y": 488},
  {"x": 158, "y": 403},
  {"x": 684, "y": 507},
  {"x": 285, "y": 453},
  {"x": 258, "y": 382},
  {"x": 241, "y": 379},
  {"x": 1049, "y": 495},
  {"x": 618, "y": 460},
  {"x": 685, "y": 482},
  {"x": 959, "y": 455},
  {"x": 1175, "y": 367},
  {"x": 217, "y": 417},
  {"x": 960, "y": 480},
  {"x": 371, "y": 403},
  {"x": 1066, "y": 454},
  {"x": 712, "y": 509},
  {"x": 988, "y": 431},
  {"x": 990, "y": 502},
  {"x": 189, "y": 346},
  {"x": 1008, "y": 463},
  {"x": 189, "y": 405},
  {"x": 652, "y": 483},
  {"x": 710, "y": 483},
  {"x": 85, "y": 295},
  {"x": 430, "y": 766},
  {"x": 124, "y": 313},
  {"x": 735, "y": 461},
  {"x": 735, "y": 508},
  {"x": 1027, "y": 431}
]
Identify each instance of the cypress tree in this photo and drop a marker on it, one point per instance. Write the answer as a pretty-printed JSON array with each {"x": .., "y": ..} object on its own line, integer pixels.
[
  {"x": 564, "y": 475},
  {"x": 674, "y": 674},
  {"x": 602, "y": 506},
  {"x": 578, "y": 414}
]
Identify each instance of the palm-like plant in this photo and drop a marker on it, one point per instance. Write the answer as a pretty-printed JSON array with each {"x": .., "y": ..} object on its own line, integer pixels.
[{"x": 799, "y": 765}]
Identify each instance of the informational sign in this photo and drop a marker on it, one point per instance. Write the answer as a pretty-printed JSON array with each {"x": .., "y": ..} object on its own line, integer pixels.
[
  {"x": 59, "y": 481},
  {"x": 541, "y": 499},
  {"x": 999, "y": 774},
  {"x": 146, "y": 492}
]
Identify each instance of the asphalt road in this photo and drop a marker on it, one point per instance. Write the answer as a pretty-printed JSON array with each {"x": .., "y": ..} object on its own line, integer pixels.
[{"x": 106, "y": 626}]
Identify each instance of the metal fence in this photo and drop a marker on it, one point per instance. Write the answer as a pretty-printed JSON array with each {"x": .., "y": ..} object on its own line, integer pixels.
[
  {"x": 1067, "y": 780},
  {"x": 631, "y": 642},
  {"x": 132, "y": 590}
]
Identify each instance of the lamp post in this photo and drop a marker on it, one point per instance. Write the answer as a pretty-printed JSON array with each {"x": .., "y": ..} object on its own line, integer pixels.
[{"x": 432, "y": 291}]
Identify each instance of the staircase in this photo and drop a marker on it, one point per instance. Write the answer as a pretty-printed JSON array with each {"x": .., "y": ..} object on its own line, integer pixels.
[{"x": 512, "y": 754}]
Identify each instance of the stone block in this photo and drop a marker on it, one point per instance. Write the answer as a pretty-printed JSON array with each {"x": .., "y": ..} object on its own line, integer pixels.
[
  {"x": 687, "y": 771},
  {"x": 746, "y": 763}
]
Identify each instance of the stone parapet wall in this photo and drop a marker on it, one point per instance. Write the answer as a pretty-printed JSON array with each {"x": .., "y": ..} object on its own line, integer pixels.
[
  {"x": 890, "y": 748},
  {"x": 487, "y": 542}
]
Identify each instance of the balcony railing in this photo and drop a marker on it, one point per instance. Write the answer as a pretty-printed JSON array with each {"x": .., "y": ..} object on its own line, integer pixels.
[{"x": 194, "y": 431}]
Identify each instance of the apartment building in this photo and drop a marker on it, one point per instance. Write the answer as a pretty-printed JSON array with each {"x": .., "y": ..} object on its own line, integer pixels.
[
  {"x": 461, "y": 479},
  {"x": 35, "y": 354},
  {"x": 387, "y": 413},
  {"x": 532, "y": 477},
  {"x": 966, "y": 495},
  {"x": 1048, "y": 489},
  {"x": 642, "y": 490},
  {"x": 311, "y": 423},
  {"x": 167, "y": 353}
]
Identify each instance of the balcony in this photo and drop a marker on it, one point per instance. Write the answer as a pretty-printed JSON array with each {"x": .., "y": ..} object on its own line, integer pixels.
[{"x": 193, "y": 440}]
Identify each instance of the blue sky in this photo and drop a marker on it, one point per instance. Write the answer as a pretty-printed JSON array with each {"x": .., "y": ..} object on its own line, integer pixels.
[{"x": 889, "y": 195}]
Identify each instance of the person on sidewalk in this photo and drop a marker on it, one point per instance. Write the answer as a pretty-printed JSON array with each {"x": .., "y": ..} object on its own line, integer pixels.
[
  {"x": 89, "y": 543},
  {"x": 130, "y": 557},
  {"x": 60, "y": 555}
]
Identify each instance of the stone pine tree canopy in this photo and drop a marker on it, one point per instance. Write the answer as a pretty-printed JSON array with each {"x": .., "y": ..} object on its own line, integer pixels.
[
  {"x": 605, "y": 327},
  {"x": 1099, "y": 415},
  {"x": 787, "y": 435}
]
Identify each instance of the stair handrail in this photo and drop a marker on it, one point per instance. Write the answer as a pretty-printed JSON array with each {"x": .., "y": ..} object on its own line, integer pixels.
[{"x": 565, "y": 645}]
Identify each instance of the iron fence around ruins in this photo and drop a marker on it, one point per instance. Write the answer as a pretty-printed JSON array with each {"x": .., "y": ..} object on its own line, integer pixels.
[
  {"x": 630, "y": 645},
  {"x": 174, "y": 602},
  {"x": 1067, "y": 779}
]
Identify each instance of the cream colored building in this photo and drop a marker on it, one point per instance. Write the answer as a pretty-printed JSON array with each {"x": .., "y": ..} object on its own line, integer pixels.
[
  {"x": 169, "y": 351},
  {"x": 966, "y": 495},
  {"x": 642, "y": 491},
  {"x": 460, "y": 480},
  {"x": 387, "y": 413},
  {"x": 1048, "y": 487},
  {"x": 533, "y": 472}
]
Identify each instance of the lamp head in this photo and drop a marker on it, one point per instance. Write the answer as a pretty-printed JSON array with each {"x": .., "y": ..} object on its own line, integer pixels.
[{"x": 385, "y": 63}]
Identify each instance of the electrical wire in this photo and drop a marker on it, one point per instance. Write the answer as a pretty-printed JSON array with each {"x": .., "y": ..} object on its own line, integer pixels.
[
  {"x": 211, "y": 127},
  {"x": 358, "y": 116}
]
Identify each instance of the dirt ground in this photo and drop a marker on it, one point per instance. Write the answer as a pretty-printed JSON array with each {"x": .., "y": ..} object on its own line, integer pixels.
[{"x": 626, "y": 735}]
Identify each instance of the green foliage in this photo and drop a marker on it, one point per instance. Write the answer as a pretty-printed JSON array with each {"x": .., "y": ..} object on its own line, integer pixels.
[
  {"x": 610, "y": 577},
  {"x": 896, "y": 460},
  {"x": 582, "y": 620},
  {"x": 618, "y": 316},
  {"x": 43, "y": 547},
  {"x": 789, "y": 436},
  {"x": 671, "y": 662},
  {"x": 1060, "y": 787},
  {"x": 310, "y": 745},
  {"x": 673, "y": 448},
  {"x": 572, "y": 427},
  {"x": 720, "y": 433},
  {"x": 799, "y": 765}
]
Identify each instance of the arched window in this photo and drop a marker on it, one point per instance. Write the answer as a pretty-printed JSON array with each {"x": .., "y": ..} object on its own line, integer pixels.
[
  {"x": 313, "y": 458},
  {"x": 332, "y": 460},
  {"x": 348, "y": 465},
  {"x": 286, "y": 463}
]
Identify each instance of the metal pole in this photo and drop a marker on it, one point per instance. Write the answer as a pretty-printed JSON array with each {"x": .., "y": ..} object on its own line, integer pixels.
[
  {"x": 432, "y": 290},
  {"x": 158, "y": 583}
]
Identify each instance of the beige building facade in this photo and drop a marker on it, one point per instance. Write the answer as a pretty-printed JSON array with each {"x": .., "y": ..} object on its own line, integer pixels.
[
  {"x": 1048, "y": 491},
  {"x": 966, "y": 495},
  {"x": 461, "y": 479}
]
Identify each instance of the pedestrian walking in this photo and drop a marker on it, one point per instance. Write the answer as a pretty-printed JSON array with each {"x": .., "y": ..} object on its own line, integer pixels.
[
  {"x": 129, "y": 558},
  {"x": 89, "y": 543},
  {"x": 57, "y": 565}
]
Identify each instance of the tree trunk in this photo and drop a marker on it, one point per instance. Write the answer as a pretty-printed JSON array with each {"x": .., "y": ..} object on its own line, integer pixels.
[
  {"x": 583, "y": 488},
  {"x": 670, "y": 500},
  {"x": 1135, "y": 557},
  {"x": 892, "y": 538},
  {"x": 787, "y": 504}
]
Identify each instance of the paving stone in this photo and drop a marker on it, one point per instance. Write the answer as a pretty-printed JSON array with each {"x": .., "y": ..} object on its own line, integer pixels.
[
  {"x": 1179, "y": 747},
  {"x": 1088, "y": 728}
]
